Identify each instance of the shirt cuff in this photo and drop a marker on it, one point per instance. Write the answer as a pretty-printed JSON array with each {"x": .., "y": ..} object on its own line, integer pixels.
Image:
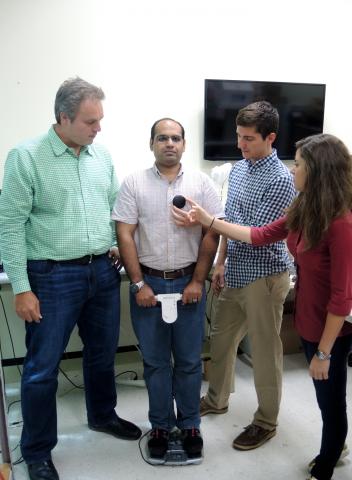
[{"x": 20, "y": 286}]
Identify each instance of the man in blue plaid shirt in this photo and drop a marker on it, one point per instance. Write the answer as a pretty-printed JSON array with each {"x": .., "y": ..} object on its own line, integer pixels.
[{"x": 252, "y": 282}]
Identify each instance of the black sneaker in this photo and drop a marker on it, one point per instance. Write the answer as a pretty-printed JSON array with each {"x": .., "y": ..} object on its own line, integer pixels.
[
  {"x": 192, "y": 442},
  {"x": 158, "y": 442}
]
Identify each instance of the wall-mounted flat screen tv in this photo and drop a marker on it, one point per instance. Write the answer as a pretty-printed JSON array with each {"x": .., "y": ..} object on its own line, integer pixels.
[{"x": 300, "y": 106}]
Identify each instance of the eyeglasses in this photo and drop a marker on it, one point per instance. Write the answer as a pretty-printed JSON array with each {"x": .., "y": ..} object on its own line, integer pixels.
[{"x": 166, "y": 138}]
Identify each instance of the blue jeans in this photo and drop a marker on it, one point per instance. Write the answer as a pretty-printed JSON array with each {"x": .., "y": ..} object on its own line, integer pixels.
[
  {"x": 86, "y": 295},
  {"x": 331, "y": 397},
  {"x": 171, "y": 356}
]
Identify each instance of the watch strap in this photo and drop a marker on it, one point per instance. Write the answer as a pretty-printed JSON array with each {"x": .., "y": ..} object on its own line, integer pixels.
[
  {"x": 322, "y": 355},
  {"x": 140, "y": 284},
  {"x": 136, "y": 287}
]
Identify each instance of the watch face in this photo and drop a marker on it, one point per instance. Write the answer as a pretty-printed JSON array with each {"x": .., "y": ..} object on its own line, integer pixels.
[
  {"x": 322, "y": 355},
  {"x": 134, "y": 288}
]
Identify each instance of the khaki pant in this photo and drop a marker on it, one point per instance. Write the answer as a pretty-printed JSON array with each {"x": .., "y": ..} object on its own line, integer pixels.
[{"x": 256, "y": 310}]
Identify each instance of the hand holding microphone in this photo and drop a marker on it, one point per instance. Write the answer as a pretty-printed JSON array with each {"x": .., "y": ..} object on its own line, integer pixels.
[
  {"x": 181, "y": 217},
  {"x": 179, "y": 201},
  {"x": 192, "y": 217},
  {"x": 198, "y": 214}
]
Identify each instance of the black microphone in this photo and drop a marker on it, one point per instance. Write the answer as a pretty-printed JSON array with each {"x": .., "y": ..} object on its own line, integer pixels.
[{"x": 179, "y": 201}]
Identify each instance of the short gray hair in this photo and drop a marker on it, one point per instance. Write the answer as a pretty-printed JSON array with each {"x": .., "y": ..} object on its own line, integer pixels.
[{"x": 70, "y": 95}]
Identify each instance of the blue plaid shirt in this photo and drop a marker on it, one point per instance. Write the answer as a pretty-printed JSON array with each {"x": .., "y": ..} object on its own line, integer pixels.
[{"x": 258, "y": 194}]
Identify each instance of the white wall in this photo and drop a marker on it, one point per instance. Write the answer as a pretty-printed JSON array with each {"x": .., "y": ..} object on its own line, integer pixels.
[{"x": 151, "y": 58}]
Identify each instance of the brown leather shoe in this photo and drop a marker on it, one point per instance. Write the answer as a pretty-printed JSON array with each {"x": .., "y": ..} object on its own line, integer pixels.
[
  {"x": 252, "y": 437},
  {"x": 205, "y": 408}
]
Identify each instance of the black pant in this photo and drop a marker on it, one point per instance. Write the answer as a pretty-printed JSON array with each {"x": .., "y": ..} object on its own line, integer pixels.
[{"x": 331, "y": 397}]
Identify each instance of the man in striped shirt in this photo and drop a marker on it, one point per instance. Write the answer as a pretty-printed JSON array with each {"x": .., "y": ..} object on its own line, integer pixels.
[
  {"x": 56, "y": 235},
  {"x": 162, "y": 258},
  {"x": 253, "y": 285}
]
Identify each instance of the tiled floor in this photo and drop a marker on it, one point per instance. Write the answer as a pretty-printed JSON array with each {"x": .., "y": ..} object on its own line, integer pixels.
[{"x": 82, "y": 454}]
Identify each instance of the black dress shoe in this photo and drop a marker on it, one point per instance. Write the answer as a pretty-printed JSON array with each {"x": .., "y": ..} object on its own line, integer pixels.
[
  {"x": 120, "y": 428},
  {"x": 42, "y": 471}
]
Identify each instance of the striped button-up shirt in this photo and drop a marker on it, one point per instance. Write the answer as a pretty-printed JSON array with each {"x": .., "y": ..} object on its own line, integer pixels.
[
  {"x": 145, "y": 199},
  {"x": 258, "y": 194},
  {"x": 54, "y": 204}
]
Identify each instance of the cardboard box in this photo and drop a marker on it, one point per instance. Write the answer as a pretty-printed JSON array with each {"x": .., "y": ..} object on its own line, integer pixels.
[
  {"x": 291, "y": 341},
  {"x": 206, "y": 367}
]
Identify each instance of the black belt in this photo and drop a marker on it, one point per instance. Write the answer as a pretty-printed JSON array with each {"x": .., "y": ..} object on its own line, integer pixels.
[
  {"x": 80, "y": 261},
  {"x": 169, "y": 274}
]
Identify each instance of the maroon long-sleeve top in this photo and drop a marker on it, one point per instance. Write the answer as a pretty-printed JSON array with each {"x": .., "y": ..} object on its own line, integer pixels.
[{"x": 324, "y": 273}]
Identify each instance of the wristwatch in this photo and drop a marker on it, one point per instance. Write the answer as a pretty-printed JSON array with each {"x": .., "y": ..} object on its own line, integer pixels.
[
  {"x": 322, "y": 356},
  {"x": 135, "y": 287}
]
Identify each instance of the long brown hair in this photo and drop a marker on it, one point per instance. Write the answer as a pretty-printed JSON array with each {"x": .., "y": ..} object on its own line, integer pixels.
[{"x": 328, "y": 188}]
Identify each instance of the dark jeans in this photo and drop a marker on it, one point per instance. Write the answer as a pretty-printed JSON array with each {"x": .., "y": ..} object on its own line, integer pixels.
[
  {"x": 86, "y": 295},
  {"x": 171, "y": 356},
  {"x": 331, "y": 396}
]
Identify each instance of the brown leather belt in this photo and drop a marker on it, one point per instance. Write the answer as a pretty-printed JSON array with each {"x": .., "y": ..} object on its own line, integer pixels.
[{"x": 169, "y": 274}]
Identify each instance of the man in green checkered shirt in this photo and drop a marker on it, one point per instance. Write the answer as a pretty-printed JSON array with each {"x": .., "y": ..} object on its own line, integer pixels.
[{"x": 55, "y": 239}]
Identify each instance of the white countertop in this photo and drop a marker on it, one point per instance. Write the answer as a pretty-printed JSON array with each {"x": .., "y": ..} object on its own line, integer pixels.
[{"x": 4, "y": 278}]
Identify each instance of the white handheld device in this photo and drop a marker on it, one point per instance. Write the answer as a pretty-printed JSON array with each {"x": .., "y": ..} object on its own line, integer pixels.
[{"x": 168, "y": 305}]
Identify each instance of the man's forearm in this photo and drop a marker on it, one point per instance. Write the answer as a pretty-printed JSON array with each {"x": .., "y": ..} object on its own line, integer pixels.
[
  {"x": 206, "y": 255},
  {"x": 222, "y": 254},
  {"x": 129, "y": 256}
]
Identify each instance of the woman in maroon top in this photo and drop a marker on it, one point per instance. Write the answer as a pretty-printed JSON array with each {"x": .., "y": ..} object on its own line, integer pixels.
[{"x": 318, "y": 229}]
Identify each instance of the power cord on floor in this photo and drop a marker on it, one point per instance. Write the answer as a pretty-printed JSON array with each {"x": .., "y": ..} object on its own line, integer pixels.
[
  {"x": 80, "y": 387},
  {"x": 16, "y": 447},
  {"x": 18, "y": 461},
  {"x": 140, "y": 448},
  {"x": 10, "y": 405},
  {"x": 135, "y": 374}
]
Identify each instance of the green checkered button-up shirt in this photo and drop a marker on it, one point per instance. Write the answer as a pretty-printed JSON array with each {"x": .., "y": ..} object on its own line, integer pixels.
[{"x": 54, "y": 204}]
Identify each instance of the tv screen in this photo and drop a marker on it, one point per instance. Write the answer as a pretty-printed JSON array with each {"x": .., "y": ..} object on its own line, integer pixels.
[{"x": 300, "y": 106}]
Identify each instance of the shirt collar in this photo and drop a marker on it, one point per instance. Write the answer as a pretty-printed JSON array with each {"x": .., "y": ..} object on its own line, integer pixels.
[
  {"x": 262, "y": 162},
  {"x": 159, "y": 174},
  {"x": 59, "y": 147}
]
